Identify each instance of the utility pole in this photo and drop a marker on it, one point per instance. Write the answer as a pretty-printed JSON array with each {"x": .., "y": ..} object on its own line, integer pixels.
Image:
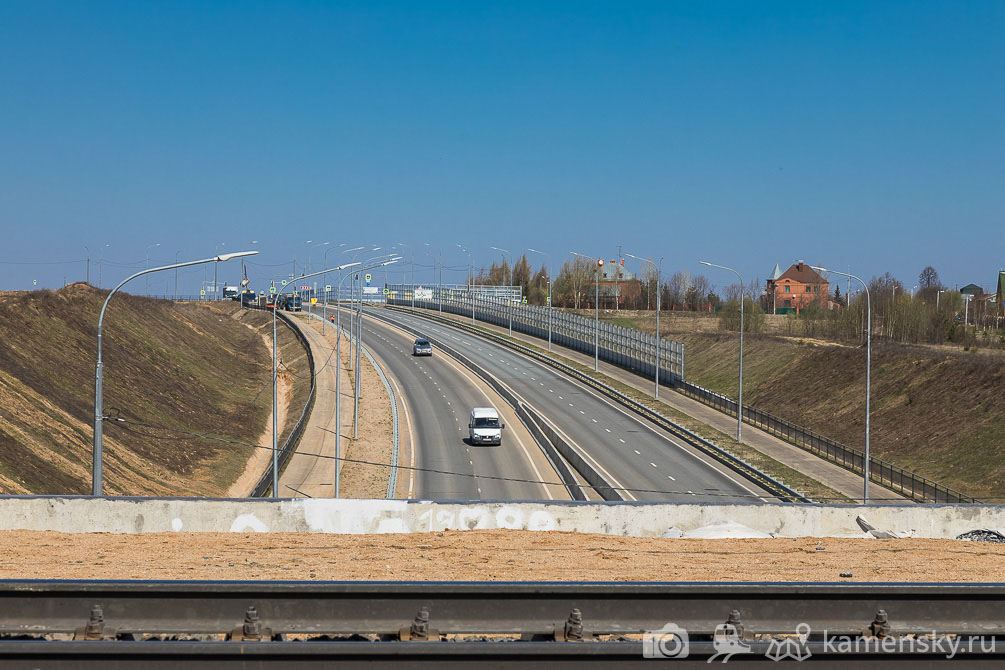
[{"x": 617, "y": 281}]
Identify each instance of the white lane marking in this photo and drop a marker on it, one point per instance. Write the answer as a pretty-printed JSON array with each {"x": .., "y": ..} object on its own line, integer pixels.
[
  {"x": 637, "y": 452},
  {"x": 411, "y": 437},
  {"x": 671, "y": 478},
  {"x": 653, "y": 464},
  {"x": 582, "y": 412},
  {"x": 622, "y": 441},
  {"x": 607, "y": 429}
]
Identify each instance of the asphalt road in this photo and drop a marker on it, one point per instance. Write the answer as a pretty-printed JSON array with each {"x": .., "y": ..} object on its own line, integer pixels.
[
  {"x": 629, "y": 450},
  {"x": 439, "y": 394}
]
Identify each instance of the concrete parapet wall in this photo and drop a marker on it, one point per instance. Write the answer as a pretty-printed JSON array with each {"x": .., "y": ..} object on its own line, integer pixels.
[{"x": 79, "y": 514}]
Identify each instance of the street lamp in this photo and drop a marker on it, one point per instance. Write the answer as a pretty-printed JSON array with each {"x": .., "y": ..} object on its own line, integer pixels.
[
  {"x": 471, "y": 282},
  {"x": 87, "y": 277},
  {"x": 146, "y": 281},
  {"x": 324, "y": 279},
  {"x": 439, "y": 283},
  {"x": 275, "y": 393},
  {"x": 101, "y": 256},
  {"x": 359, "y": 330},
  {"x": 338, "y": 359},
  {"x": 548, "y": 258},
  {"x": 596, "y": 307},
  {"x": 937, "y": 295},
  {"x": 739, "y": 397},
  {"x": 176, "y": 274},
  {"x": 868, "y": 369},
  {"x": 509, "y": 281},
  {"x": 656, "y": 360},
  {"x": 98, "y": 400}
]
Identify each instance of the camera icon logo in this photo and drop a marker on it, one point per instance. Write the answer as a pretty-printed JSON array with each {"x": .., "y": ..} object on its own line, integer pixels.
[{"x": 670, "y": 641}]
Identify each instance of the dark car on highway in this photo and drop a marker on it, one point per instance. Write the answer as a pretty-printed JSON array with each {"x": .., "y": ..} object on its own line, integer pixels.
[{"x": 422, "y": 347}]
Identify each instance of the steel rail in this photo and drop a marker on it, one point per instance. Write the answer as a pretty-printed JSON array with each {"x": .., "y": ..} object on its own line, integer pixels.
[
  {"x": 170, "y": 655},
  {"x": 117, "y": 608}
]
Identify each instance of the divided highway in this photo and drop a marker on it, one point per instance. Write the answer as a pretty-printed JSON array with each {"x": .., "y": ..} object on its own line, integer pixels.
[
  {"x": 629, "y": 451},
  {"x": 438, "y": 396}
]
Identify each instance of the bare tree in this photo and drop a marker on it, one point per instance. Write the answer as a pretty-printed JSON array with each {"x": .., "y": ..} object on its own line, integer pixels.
[
  {"x": 649, "y": 284},
  {"x": 928, "y": 277},
  {"x": 677, "y": 288}
]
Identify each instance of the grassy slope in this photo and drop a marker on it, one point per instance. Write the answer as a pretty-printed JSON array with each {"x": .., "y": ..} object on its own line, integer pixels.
[
  {"x": 185, "y": 366},
  {"x": 935, "y": 411}
]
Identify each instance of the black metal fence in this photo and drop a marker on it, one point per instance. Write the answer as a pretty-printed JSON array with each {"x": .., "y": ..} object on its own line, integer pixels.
[
  {"x": 264, "y": 484},
  {"x": 882, "y": 472}
]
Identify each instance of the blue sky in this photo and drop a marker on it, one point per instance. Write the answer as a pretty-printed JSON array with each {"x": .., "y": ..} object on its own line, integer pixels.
[{"x": 866, "y": 135}]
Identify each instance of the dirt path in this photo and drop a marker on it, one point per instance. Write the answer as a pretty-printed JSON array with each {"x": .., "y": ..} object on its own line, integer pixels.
[
  {"x": 311, "y": 470},
  {"x": 490, "y": 556}
]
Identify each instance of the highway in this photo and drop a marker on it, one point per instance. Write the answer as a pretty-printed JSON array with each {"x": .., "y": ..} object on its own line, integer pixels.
[
  {"x": 629, "y": 451},
  {"x": 439, "y": 394}
]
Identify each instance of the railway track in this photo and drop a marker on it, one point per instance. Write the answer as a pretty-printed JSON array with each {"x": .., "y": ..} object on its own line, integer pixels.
[{"x": 99, "y": 624}]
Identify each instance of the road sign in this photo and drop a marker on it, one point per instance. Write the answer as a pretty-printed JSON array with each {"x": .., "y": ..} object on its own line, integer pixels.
[
  {"x": 202, "y": 293},
  {"x": 328, "y": 287},
  {"x": 370, "y": 290},
  {"x": 314, "y": 301},
  {"x": 600, "y": 262},
  {"x": 525, "y": 301},
  {"x": 34, "y": 282},
  {"x": 386, "y": 291},
  {"x": 368, "y": 277},
  {"x": 272, "y": 289},
  {"x": 284, "y": 282},
  {"x": 549, "y": 299}
]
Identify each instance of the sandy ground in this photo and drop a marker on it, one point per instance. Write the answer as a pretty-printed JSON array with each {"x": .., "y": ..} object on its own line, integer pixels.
[
  {"x": 375, "y": 431},
  {"x": 260, "y": 458},
  {"x": 495, "y": 555}
]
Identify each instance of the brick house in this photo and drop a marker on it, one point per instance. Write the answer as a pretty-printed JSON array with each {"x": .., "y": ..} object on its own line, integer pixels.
[{"x": 798, "y": 287}]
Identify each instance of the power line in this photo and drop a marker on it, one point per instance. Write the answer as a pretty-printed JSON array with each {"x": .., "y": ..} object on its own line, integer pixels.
[{"x": 119, "y": 420}]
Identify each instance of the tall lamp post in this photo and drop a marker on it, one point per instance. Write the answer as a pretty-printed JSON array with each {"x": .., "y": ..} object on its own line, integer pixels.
[
  {"x": 439, "y": 283},
  {"x": 548, "y": 258},
  {"x": 371, "y": 264},
  {"x": 275, "y": 377},
  {"x": 98, "y": 371},
  {"x": 868, "y": 369},
  {"x": 146, "y": 280},
  {"x": 87, "y": 277},
  {"x": 596, "y": 310},
  {"x": 471, "y": 282},
  {"x": 101, "y": 257},
  {"x": 656, "y": 359},
  {"x": 509, "y": 281},
  {"x": 739, "y": 397},
  {"x": 216, "y": 288},
  {"x": 324, "y": 280}
]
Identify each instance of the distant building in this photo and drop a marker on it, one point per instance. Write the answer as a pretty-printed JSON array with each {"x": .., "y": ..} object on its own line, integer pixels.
[
  {"x": 973, "y": 290},
  {"x": 798, "y": 287},
  {"x": 618, "y": 284}
]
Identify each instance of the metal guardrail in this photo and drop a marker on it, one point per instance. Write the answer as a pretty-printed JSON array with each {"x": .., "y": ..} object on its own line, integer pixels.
[
  {"x": 222, "y": 625},
  {"x": 735, "y": 463},
  {"x": 264, "y": 484},
  {"x": 917, "y": 487},
  {"x": 629, "y": 348},
  {"x": 552, "y": 444}
]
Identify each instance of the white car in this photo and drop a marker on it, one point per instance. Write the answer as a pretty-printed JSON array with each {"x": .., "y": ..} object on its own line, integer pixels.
[{"x": 484, "y": 426}]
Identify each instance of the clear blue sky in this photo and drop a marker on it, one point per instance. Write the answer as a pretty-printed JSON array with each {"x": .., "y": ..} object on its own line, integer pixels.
[{"x": 867, "y": 135}]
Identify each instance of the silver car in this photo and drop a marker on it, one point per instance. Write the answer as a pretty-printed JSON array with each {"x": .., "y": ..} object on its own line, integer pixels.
[{"x": 422, "y": 347}]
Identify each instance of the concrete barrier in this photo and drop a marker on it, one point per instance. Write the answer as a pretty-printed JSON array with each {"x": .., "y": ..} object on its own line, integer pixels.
[{"x": 80, "y": 514}]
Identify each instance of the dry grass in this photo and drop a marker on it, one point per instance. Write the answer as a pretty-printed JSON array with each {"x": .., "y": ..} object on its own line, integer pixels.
[
  {"x": 936, "y": 410},
  {"x": 195, "y": 367}
]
